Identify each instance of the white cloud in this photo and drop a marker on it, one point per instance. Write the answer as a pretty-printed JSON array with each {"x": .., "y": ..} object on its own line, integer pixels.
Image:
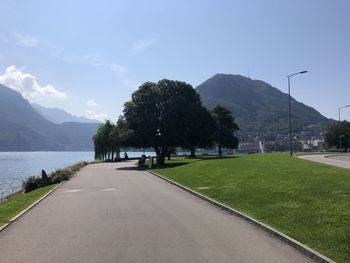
[
  {"x": 29, "y": 41},
  {"x": 120, "y": 71},
  {"x": 26, "y": 40},
  {"x": 91, "y": 103},
  {"x": 96, "y": 116},
  {"x": 93, "y": 60},
  {"x": 27, "y": 85},
  {"x": 141, "y": 45}
]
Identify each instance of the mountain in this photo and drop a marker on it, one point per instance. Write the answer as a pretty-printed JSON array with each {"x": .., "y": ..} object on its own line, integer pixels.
[
  {"x": 23, "y": 129},
  {"x": 58, "y": 116},
  {"x": 260, "y": 109}
]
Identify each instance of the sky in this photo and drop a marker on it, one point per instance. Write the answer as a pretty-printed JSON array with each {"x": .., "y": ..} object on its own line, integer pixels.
[{"x": 87, "y": 57}]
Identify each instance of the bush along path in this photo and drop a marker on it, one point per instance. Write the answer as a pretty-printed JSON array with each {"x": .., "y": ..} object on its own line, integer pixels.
[
  {"x": 33, "y": 182},
  {"x": 35, "y": 187}
]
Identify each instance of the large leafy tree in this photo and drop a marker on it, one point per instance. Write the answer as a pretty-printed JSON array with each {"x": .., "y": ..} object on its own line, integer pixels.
[
  {"x": 336, "y": 132},
  {"x": 163, "y": 115},
  {"x": 199, "y": 129},
  {"x": 225, "y": 128}
]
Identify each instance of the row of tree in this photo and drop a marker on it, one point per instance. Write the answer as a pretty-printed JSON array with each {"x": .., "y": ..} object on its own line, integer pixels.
[{"x": 165, "y": 115}]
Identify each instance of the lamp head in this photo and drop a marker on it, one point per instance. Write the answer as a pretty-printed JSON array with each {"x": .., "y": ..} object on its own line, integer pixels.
[{"x": 303, "y": 72}]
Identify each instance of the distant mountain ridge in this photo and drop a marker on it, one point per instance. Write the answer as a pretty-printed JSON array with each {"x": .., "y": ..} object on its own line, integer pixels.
[
  {"x": 23, "y": 129},
  {"x": 58, "y": 116},
  {"x": 260, "y": 109}
]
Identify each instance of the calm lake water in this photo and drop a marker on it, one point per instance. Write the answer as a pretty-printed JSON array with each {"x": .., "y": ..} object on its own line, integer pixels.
[{"x": 16, "y": 166}]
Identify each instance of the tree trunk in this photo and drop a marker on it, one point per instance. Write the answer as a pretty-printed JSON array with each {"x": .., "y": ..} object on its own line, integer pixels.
[
  {"x": 160, "y": 159},
  {"x": 220, "y": 152},
  {"x": 161, "y": 154},
  {"x": 193, "y": 153}
]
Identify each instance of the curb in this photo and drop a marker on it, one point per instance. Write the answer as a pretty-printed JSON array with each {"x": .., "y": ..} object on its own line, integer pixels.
[
  {"x": 275, "y": 233},
  {"x": 29, "y": 208}
]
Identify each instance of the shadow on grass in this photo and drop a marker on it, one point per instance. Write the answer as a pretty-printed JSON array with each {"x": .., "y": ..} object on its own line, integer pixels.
[
  {"x": 212, "y": 157},
  {"x": 171, "y": 165},
  {"x": 194, "y": 160}
]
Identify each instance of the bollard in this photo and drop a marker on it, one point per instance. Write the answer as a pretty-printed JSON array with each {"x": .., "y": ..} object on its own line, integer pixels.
[
  {"x": 2, "y": 196},
  {"x": 150, "y": 162}
]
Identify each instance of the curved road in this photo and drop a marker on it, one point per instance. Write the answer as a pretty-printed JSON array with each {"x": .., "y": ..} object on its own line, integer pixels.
[
  {"x": 114, "y": 213},
  {"x": 340, "y": 160}
]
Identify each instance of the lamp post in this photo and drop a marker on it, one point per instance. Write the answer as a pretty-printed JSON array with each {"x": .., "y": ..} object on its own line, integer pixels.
[
  {"x": 290, "y": 112},
  {"x": 340, "y": 136},
  {"x": 159, "y": 150}
]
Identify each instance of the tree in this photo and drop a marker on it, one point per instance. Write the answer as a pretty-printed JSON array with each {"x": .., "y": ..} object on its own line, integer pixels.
[
  {"x": 162, "y": 115},
  {"x": 200, "y": 128},
  {"x": 336, "y": 132},
  {"x": 225, "y": 128},
  {"x": 106, "y": 141}
]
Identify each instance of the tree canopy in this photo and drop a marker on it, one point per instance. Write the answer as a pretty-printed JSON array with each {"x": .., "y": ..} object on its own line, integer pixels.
[
  {"x": 336, "y": 132},
  {"x": 106, "y": 141},
  {"x": 225, "y": 128},
  {"x": 164, "y": 115}
]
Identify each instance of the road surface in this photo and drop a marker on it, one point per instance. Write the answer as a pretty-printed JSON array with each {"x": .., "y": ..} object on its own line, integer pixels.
[
  {"x": 114, "y": 213},
  {"x": 340, "y": 160}
]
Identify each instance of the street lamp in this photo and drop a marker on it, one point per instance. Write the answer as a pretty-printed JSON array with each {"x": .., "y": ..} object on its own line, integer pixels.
[
  {"x": 340, "y": 136},
  {"x": 290, "y": 112}
]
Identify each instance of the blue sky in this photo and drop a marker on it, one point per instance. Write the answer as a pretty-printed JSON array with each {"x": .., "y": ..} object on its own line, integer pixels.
[{"x": 66, "y": 53}]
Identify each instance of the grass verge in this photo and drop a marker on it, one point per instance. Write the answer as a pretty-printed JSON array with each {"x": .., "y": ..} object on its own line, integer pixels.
[
  {"x": 18, "y": 202},
  {"x": 308, "y": 201}
]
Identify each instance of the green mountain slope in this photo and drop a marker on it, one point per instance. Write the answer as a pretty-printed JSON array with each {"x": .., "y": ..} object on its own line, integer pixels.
[
  {"x": 260, "y": 109},
  {"x": 23, "y": 129}
]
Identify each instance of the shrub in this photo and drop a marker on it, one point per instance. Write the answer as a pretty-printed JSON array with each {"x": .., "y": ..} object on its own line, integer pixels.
[
  {"x": 76, "y": 167},
  {"x": 62, "y": 175},
  {"x": 31, "y": 183}
]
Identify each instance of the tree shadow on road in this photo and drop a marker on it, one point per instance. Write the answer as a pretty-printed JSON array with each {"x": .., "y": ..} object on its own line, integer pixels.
[{"x": 129, "y": 168}]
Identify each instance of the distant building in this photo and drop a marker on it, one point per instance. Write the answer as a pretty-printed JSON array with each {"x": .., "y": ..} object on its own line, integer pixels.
[{"x": 249, "y": 147}]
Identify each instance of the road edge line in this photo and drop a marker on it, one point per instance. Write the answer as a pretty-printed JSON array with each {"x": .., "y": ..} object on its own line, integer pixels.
[{"x": 309, "y": 252}]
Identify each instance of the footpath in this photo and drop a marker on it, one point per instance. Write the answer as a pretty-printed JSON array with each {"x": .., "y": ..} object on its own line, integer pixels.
[
  {"x": 112, "y": 212},
  {"x": 339, "y": 160}
]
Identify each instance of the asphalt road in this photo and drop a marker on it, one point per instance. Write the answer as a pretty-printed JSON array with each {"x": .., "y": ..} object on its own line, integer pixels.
[
  {"x": 340, "y": 160},
  {"x": 340, "y": 157},
  {"x": 106, "y": 214}
]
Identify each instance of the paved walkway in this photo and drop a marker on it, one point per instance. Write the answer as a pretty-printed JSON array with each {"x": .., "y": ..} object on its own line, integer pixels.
[
  {"x": 114, "y": 213},
  {"x": 340, "y": 160}
]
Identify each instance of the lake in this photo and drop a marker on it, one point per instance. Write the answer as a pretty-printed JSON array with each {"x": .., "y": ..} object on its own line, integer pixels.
[{"x": 16, "y": 166}]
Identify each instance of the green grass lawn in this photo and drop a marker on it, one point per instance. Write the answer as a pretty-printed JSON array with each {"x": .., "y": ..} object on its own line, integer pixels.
[
  {"x": 308, "y": 201},
  {"x": 19, "y": 202}
]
